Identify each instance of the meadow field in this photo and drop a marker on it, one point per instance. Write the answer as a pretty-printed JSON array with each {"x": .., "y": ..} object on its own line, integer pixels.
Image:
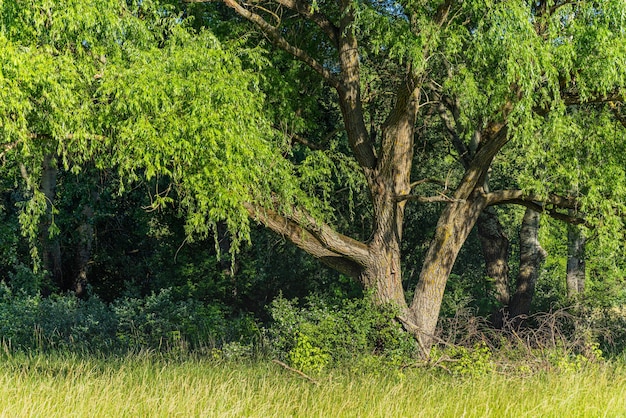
[{"x": 149, "y": 386}]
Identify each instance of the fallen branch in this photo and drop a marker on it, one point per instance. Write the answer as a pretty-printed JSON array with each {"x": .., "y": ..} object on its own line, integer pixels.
[{"x": 298, "y": 372}]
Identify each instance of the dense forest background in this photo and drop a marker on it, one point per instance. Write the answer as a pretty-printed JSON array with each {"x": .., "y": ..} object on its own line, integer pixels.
[{"x": 134, "y": 134}]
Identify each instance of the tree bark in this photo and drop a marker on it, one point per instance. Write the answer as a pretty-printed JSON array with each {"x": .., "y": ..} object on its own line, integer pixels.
[
  {"x": 51, "y": 248},
  {"x": 575, "y": 278},
  {"x": 495, "y": 249},
  {"x": 531, "y": 258},
  {"x": 84, "y": 247},
  {"x": 453, "y": 227}
]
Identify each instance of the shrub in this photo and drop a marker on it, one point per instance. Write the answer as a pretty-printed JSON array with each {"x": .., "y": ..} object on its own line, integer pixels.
[
  {"x": 158, "y": 322},
  {"x": 307, "y": 357},
  {"x": 58, "y": 322},
  {"x": 161, "y": 322},
  {"x": 464, "y": 361},
  {"x": 342, "y": 331}
]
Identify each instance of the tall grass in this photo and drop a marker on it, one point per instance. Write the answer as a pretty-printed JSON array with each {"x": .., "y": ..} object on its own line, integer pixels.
[{"x": 151, "y": 386}]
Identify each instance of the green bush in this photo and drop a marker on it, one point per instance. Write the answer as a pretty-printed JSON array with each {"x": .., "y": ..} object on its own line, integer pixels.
[
  {"x": 342, "y": 331},
  {"x": 58, "y": 322},
  {"x": 159, "y": 321},
  {"x": 463, "y": 361}
]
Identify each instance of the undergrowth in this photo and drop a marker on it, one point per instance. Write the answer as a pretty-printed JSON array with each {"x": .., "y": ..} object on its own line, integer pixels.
[{"x": 314, "y": 336}]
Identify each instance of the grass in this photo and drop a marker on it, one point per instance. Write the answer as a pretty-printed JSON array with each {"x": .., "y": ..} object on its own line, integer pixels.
[{"x": 150, "y": 386}]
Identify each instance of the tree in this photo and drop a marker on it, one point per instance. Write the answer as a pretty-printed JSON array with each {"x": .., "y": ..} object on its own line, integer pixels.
[{"x": 498, "y": 73}]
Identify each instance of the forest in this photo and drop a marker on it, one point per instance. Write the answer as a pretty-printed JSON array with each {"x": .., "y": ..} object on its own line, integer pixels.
[{"x": 396, "y": 187}]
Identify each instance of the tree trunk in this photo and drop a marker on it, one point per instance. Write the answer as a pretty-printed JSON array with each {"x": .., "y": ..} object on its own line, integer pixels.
[
  {"x": 453, "y": 227},
  {"x": 531, "y": 258},
  {"x": 495, "y": 248},
  {"x": 84, "y": 247},
  {"x": 51, "y": 248},
  {"x": 575, "y": 278}
]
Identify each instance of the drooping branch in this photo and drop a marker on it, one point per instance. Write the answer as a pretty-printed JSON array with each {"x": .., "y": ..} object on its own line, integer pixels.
[
  {"x": 277, "y": 39},
  {"x": 322, "y": 242}
]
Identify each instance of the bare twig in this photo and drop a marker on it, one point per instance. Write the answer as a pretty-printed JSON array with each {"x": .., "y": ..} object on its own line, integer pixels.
[{"x": 296, "y": 371}]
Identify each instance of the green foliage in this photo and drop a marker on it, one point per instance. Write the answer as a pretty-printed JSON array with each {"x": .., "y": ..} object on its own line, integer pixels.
[
  {"x": 462, "y": 361},
  {"x": 342, "y": 331},
  {"x": 189, "y": 112},
  {"x": 158, "y": 322},
  {"x": 306, "y": 357},
  {"x": 161, "y": 321},
  {"x": 56, "y": 323}
]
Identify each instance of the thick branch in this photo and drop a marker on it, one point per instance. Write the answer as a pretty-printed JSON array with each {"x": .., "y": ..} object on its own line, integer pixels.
[
  {"x": 516, "y": 196},
  {"x": 538, "y": 203},
  {"x": 274, "y": 34},
  {"x": 476, "y": 173},
  {"x": 350, "y": 99},
  {"x": 319, "y": 240}
]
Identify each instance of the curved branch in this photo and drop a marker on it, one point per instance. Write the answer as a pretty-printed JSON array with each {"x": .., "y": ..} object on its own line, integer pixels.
[
  {"x": 426, "y": 199},
  {"x": 274, "y": 34},
  {"x": 539, "y": 204},
  {"x": 519, "y": 196},
  {"x": 319, "y": 240}
]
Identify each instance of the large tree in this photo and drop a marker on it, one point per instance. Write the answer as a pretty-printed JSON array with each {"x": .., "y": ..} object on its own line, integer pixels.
[{"x": 496, "y": 73}]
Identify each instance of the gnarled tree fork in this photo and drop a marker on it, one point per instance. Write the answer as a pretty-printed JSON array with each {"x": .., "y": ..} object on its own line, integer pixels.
[{"x": 495, "y": 73}]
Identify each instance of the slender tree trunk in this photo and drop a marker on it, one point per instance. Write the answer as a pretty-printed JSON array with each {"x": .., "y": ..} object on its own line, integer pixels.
[
  {"x": 531, "y": 258},
  {"x": 51, "y": 248},
  {"x": 84, "y": 248},
  {"x": 575, "y": 261},
  {"x": 495, "y": 248},
  {"x": 228, "y": 266}
]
